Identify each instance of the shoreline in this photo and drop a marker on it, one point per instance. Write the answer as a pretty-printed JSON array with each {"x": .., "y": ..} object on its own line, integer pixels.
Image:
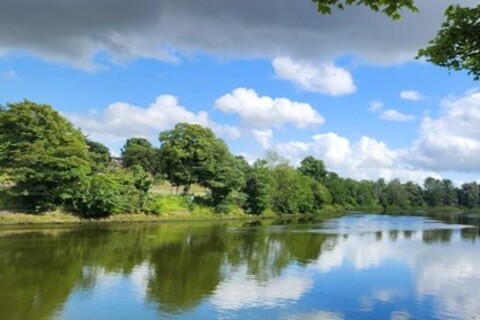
[{"x": 9, "y": 219}]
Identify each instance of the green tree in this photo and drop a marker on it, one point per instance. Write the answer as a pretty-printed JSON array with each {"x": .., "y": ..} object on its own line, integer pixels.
[
  {"x": 139, "y": 151},
  {"x": 470, "y": 195},
  {"x": 433, "y": 191},
  {"x": 313, "y": 168},
  {"x": 415, "y": 194},
  {"x": 291, "y": 191},
  {"x": 47, "y": 157},
  {"x": 258, "y": 188},
  {"x": 336, "y": 186},
  {"x": 99, "y": 155},
  {"x": 193, "y": 154},
  {"x": 111, "y": 192},
  {"x": 391, "y": 8},
  {"x": 456, "y": 45}
]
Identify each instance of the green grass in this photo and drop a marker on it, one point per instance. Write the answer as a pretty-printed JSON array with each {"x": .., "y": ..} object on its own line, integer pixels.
[{"x": 166, "y": 188}]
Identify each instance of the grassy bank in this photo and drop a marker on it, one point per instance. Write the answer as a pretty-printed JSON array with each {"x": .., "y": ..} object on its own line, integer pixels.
[{"x": 52, "y": 218}]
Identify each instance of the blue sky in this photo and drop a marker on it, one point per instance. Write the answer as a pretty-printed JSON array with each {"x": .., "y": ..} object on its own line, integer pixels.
[{"x": 345, "y": 88}]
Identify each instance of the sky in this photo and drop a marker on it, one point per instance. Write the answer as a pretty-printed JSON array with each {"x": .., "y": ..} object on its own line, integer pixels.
[{"x": 263, "y": 75}]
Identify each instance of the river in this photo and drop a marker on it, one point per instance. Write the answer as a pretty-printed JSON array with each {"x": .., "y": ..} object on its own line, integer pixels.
[{"x": 357, "y": 266}]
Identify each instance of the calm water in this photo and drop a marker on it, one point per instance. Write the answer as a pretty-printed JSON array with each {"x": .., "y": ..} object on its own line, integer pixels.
[{"x": 354, "y": 267}]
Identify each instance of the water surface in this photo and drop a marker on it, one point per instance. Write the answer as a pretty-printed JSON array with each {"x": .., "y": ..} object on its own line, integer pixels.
[{"x": 354, "y": 267}]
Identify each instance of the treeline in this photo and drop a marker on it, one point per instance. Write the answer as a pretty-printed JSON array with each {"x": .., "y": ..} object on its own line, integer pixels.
[{"x": 48, "y": 164}]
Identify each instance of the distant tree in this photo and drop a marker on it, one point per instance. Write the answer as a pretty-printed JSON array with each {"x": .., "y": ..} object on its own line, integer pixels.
[
  {"x": 313, "y": 168},
  {"x": 397, "y": 195},
  {"x": 47, "y": 157},
  {"x": 470, "y": 195},
  {"x": 139, "y": 151},
  {"x": 258, "y": 187},
  {"x": 291, "y": 191},
  {"x": 433, "y": 191},
  {"x": 192, "y": 154},
  {"x": 449, "y": 193},
  {"x": 99, "y": 155},
  {"x": 415, "y": 194},
  {"x": 336, "y": 186}
]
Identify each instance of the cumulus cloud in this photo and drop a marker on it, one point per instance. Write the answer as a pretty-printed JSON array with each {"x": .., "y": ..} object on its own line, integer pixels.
[
  {"x": 265, "y": 112},
  {"x": 445, "y": 271},
  {"x": 75, "y": 31},
  {"x": 396, "y": 116},
  {"x": 411, "y": 95},
  {"x": 389, "y": 114},
  {"x": 241, "y": 291},
  {"x": 451, "y": 141},
  {"x": 263, "y": 137},
  {"x": 366, "y": 158},
  {"x": 121, "y": 120},
  {"x": 323, "y": 78}
]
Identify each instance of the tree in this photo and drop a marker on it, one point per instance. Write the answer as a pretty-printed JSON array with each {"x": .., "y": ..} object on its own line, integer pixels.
[
  {"x": 193, "y": 154},
  {"x": 139, "y": 151},
  {"x": 457, "y": 44},
  {"x": 313, "y": 168},
  {"x": 258, "y": 187},
  {"x": 47, "y": 157},
  {"x": 99, "y": 155},
  {"x": 433, "y": 192},
  {"x": 391, "y": 8}
]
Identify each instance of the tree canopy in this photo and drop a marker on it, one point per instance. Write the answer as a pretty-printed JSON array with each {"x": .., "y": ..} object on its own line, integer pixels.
[
  {"x": 457, "y": 44},
  {"x": 391, "y": 8},
  {"x": 46, "y": 155}
]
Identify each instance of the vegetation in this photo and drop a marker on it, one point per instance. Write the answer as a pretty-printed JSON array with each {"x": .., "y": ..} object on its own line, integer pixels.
[
  {"x": 456, "y": 44},
  {"x": 47, "y": 165}
]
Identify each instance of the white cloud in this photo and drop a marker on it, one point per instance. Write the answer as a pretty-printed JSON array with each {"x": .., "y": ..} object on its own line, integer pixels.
[
  {"x": 263, "y": 112},
  {"x": 410, "y": 95},
  {"x": 263, "y": 137},
  {"x": 323, "y": 78},
  {"x": 396, "y": 116},
  {"x": 122, "y": 120},
  {"x": 366, "y": 158},
  {"x": 446, "y": 271},
  {"x": 241, "y": 291},
  {"x": 389, "y": 114},
  {"x": 451, "y": 141},
  {"x": 375, "y": 106}
]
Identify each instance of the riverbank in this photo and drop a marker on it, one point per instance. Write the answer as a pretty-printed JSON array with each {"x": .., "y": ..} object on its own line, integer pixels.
[{"x": 58, "y": 218}]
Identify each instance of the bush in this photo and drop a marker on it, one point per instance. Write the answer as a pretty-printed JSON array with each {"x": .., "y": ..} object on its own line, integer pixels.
[
  {"x": 168, "y": 204},
  {"x": 108, "y": 193}
]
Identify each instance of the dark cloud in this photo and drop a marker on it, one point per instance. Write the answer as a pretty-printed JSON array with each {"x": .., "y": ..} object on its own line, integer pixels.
[{"x": 73, "y": 31}]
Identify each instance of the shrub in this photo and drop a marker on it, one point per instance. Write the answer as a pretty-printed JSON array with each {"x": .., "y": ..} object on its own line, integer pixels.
[{"x": 106, "y": 193}]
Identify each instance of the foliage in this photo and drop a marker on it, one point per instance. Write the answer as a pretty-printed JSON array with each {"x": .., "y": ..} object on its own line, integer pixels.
[
  {"x": 168, "y": 204},
  {"x": 456, "y": 45},
  {"x": 99, "y": 155},
  {"x": 139, "y": 151},
  {"x": 292, "y": 191},
  {"x": 45, "y": 155},
  {"x": 313, "y": 168},
  {"x": 391, "y": 8},
  {"x": 112, "y": 192},
  {"x": 193, "y": 154},
  {"x": 258, "y": 188}
]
